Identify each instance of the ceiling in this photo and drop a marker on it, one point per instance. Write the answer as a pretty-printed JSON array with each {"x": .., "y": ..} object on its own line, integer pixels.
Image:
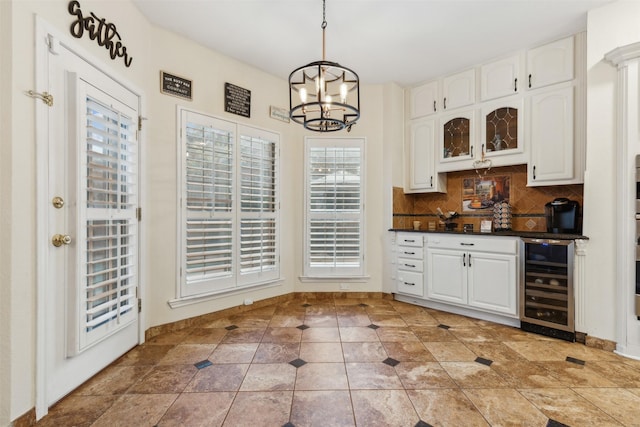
[{"x": 405, "y": 41}]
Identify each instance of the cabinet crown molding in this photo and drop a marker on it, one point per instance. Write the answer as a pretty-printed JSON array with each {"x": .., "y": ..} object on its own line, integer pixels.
[{"x": 621, "y": 55}]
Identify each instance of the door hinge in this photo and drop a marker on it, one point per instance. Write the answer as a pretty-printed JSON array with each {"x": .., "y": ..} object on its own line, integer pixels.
[
  {"x": 45, "y": 97},
  {"x": 139, "y": 305},
  {"x": 139, "y": 214}
]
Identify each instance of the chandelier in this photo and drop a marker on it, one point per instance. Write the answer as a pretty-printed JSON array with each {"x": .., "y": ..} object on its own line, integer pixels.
[{"x": 324, "y": 96}]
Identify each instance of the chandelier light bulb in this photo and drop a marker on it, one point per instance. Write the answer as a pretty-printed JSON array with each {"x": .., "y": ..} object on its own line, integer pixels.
[
  {"x": 303, "y": 95},
  {"x": 343, "y": 93}
]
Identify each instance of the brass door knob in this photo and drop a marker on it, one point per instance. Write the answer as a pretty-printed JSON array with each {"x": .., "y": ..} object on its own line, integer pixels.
[{"x": 60, "y": 239}]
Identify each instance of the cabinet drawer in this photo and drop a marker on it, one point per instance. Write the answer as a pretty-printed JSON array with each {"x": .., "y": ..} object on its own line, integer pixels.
[
  {"x": 410, "y": 252},
  {"x": 410, "y": 239},
  {"x": 489, "y": 244},
  {"x": 410, "y": 283},
  {"x": 408, "y": 264}
]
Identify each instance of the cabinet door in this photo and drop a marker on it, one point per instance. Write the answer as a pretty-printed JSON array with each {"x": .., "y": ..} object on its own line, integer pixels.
[
  {"x": 456, "y": 141},
  {"x": 502, "y": 130},
  {"x": 550, "y": 64},
  {"x": 459, "y": 90},
  {"x": 500, "y": 78},
  {"x": 419, "y": 156},
  {"x": 423, "y": 100},
  {"x": 492, "y": 282},
  {"x": 447, "y": 276},
  {"x": 551, "y": 137}
]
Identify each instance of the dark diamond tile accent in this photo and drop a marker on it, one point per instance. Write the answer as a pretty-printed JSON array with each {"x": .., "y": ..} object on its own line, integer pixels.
[
  {"x": 231, "y": 327},
  {"x": 574, "y": 360},
  {"x": 484, "y": 361},
  {"x": 442, "y": 326},
  {"x": 374, "y": 327},
  {"x": 203, "y": 364},
  {"x": 306, "y": 305},
  {"x": 554, "y": 423},
  {"x": 298, "y": 363},
  {"x": 302, "y": 327},
  {"x": 362, "y": 305},
  {"x": 422, "y": 424},
  {"x": 391, "y": 362},
  {"x": 289, "y": 424}
]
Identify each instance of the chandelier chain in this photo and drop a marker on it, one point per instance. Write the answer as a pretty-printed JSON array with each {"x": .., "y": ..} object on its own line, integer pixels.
[{"x": 324, "y": 17}]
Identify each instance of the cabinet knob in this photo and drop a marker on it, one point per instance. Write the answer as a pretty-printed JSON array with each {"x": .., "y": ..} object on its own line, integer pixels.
[
  {"x": 529, "y": 81},
  {"x": 445, "y": 103},
  {"x": 534, "y": 172},
  {"x": 434, "y": 106},
  {"x": 515, "y": 85}
]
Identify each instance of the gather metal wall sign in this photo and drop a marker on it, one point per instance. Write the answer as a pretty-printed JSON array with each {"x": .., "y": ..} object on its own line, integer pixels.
[{"x": 103, "y": 32}]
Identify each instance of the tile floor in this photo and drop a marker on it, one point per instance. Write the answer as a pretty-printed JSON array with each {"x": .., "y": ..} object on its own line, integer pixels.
[{"x": 346, "y": 362}]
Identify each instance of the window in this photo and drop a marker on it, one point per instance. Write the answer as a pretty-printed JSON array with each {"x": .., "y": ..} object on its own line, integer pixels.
[
  {"x": 229, "y": 209},
  {"x": 334, "y": 207}
]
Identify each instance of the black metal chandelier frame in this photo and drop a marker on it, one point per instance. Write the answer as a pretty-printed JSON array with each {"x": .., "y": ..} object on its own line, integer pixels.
[{"x": 333, "y": 93}]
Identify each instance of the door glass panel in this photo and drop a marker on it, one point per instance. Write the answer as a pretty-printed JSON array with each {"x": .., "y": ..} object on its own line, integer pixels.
[
  {"x": 502, "y": 129},
  {"x": 456, "y": 137}
]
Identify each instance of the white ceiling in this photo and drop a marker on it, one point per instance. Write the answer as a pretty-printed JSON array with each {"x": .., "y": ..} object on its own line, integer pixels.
[{"x": 406, "y": 41}]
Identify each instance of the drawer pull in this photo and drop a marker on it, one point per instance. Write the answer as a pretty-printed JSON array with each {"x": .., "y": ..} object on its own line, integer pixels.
[
  {"x": 467, "y": 244},
  {"x": 410, "y": 265},
  {"x": 409, "y": 284},
  {"x": 409, "y": 253},
  {"x": 464, "y": 258},
  {"x": 409, "y": 241}
]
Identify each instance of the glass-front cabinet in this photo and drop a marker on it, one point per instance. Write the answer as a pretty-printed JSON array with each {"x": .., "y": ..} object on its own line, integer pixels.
[
  {"x": 501, "y": 133},
  {"x": 457, "y": 138}
]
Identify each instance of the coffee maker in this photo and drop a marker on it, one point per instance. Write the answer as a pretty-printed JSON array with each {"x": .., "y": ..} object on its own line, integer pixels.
[{"x": 563, "y": 216}]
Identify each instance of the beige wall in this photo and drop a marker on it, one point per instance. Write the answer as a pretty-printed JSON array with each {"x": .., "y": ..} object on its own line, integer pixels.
[
  {"x": 152, "y": 50},
  {"x": 608, "y": 27}
]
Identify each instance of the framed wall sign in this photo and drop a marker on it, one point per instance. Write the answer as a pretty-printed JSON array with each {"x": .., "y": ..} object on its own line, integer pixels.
[
  {"x": 237, "y": 100},
  {"x": 171, "y": 84}
]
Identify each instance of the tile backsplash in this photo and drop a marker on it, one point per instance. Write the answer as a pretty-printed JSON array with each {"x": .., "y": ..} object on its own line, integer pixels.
[{"x": 527, "y": 202}]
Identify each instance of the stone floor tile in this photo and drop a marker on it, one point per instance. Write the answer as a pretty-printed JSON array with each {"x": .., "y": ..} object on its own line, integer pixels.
[
  {"x": 234, "y": 353},
  {"x": 410, "y": 351},
  {"x": 358, "y": 334},
  {"x": 276, "y": 352},
  {"x": 113, "y": 380},
  {"x": 205, "y": 336},
  {"x": 446, "y": 407},
  {"x": 366, "y": 376},
  {"x": 321, "y": 321},
  {"x": 282, "y": 335},
  {"x": 450, "y": 351},
  {"x": 243, "y": 335},
  {"x": 364, "y": 352},
  {"x": 322, "y": 376},
  {"x": 269, "y": 377},
  {"x": 198, "y": 410},
  {"x": 76, "y": 410},
  {"x": 136, "y": 409},
  {"x": 225, "y": 377},
  {"x": 322, "y": 408},
  {"x": 187, "y": 354},
  {"x": 473, "y": 375},
  {"x": 619, "y": 403},
  {"x": 394, "y": 334},
  {"x": 423, "y": 375},
  {"x": 315, "y": 334},
  {"x": 165, "y": 379},
  {"x": 260, "y": 409},
  {"x": 574, "y": 375},
  {"x": 505, "y": 407},
  {"x": 383, "y": 408},
  {"x": 321, "y": 352}
]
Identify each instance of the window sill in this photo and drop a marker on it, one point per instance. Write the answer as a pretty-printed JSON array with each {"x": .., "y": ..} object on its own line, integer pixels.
[
  {"x": 195, "y": 299},
  {"x": 331, "y": 279}
]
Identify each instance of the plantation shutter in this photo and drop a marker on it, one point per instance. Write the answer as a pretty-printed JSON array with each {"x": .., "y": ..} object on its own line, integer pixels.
[
  {"x": 334, "y": 205},
  {"x": 209, "y": 205},
  {"x": 258, "y": 206},
  {"x": 107, "y": 241}
]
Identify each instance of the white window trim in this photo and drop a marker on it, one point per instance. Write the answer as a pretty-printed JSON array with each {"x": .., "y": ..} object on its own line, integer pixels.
[
  {"x": 311, "y": 275},
  {"x": 236, "y": 285}
]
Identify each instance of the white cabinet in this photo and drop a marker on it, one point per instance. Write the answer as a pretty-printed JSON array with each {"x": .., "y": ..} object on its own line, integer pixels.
[
  {"x": 491, "y": 279},
  {"x": 459, "y": 90},
  {"x": 419, "y": 158},
  {"x": 456, "y": 141},
  {"x": 502, "y": 132},
  {"x": 409, "y": 263},
  {"x": 551, "y": 124},
  {"x": 500, "y": 78},
  {"x": 550, "y": 64},
  {"x": 478, "y": 272},
  {"x": 423, "y": 100}
]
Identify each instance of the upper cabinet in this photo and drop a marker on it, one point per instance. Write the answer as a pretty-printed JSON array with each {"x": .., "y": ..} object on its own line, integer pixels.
[
  {"x": 552, "y": 138},
  {"x": 423, "y": 100},
  {"x": 500, "y": 78},
  {"x": 459, "y": 90},
  {"x": 420, "y": 162},
  {"x": 550, "y": 64},
  {"x": 502, "y": 130}
]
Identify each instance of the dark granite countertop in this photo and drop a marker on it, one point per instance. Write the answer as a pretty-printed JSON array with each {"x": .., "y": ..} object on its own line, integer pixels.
[{"x": 514, "y": 233}]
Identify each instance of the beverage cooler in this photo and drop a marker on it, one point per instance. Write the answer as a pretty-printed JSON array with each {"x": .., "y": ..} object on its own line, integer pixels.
[{"x": 546, "y": 287}]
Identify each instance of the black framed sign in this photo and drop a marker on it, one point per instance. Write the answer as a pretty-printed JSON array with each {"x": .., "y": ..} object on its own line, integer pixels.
[
  {"x": 171, "y": 84},
  {"x": 237, "y": 100}
]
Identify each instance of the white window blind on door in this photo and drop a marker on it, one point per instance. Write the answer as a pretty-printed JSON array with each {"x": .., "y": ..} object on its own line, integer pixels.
[
  {"x": 110, "y": 164},
  {"x": 230, "y": 205},
  {"x": 334, "y": 207}
]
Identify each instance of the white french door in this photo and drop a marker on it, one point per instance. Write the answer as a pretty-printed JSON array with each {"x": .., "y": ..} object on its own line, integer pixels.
[{"x": 92, "y": 195}]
